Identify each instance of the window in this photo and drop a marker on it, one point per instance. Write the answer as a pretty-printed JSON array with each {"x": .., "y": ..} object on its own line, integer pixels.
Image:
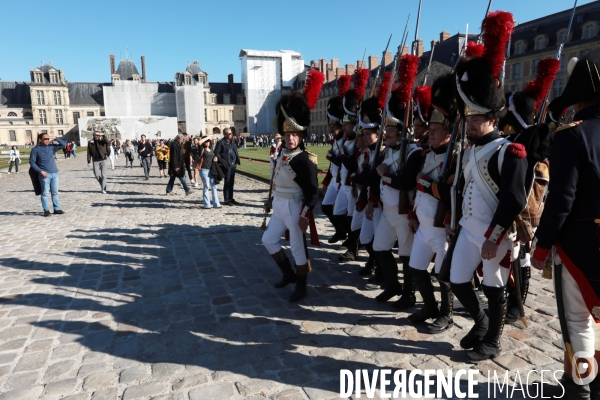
[
  {"x": 205, "y": 114},
  {"x": 13, "y": 136},
  {"x": 40, "y": 97},
  {"x": 12, "y": 114},
  {"x": 57, "y": 99},
  {"x": 226, "y": 99},
  {"x": 562, "y": 37},
  {"x": 213, "y": 99},
  {"x": 584, "y": 53},
  {"x": 90, "y": 113},
  {"x": 516, "y": 71},
  {"x": 42, "y": 114},
  {"x": 514, "y": 88},
  {"x": 240, "y": 99},
  {"x": 37, "y": 77},
  {"x": 28, "y": 135},
  {"x": 563, "y": 62},
  {"x": 102, "y": 114},
  {"x": 557, "y": 88},
  {"x": 61, "y": 132},
  {"x": 534, "y": 67},
  {"x": 27, "y": 115},
  {"x": 59, "y": 117},
  {"x": 76, "y": 117},
  {"x": 44, "y": 131},
  {"x": 205, "y": 98},
  {"x": 53, "y": 78},
  {"x": 540, "y": 43},
  {"x": 518, "y": 47},
  {"x": 188, "y": 80},
  {"x": 215, "y": 116},
  {"x": 589, "y": 31},
  {"x": 230, "y": 115}
]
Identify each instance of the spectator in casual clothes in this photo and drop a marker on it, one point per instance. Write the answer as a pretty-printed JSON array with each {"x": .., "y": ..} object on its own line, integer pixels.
[
  {"x": 73, "y": 149},
  {"x": 15, "y": 159},
  {"x": 227, "y": 150},
  {"x": 129, "y": 151},
  {"x": 207, "y": 158},
  {"x": 186, "y": 149},
  {"x": 274, "y": 153},
  {"x": 162, "y": 156},
  {"x": 145, "y": 152},
  {"x": 176, "y": 165},
  {"x": 96, "y": 156},
  {"x": 42, "y": 161},
  {"x": 195, "y": 152}
]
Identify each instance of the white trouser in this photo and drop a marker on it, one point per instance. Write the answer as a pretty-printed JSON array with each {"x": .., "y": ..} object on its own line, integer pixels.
[
  {"x": 344, "y": 202},
  {"x": 429, "y": 240},
  {"x": 330, "y": 194},
  {"x": 583, "y": 330},
  {"x": 393, "y": 226},
  {"x": 286, "y": 213},
  {"x": 367, "y": 230},
  {"x": 467, "y": 257},
  {"x": 357, "y": 219}
]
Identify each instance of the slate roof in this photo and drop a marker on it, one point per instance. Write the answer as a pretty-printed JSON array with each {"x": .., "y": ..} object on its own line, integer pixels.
[
  {"x": 193, "y": 69},
  {"x": 221, "y": 88},
  {"x": 46, "y": 75},
  {"x": 445, "y": 52},
  {"x": 127, "y": 69},
  {"x": 86, "y": 93},
  {"x": 14, "y": 93}
]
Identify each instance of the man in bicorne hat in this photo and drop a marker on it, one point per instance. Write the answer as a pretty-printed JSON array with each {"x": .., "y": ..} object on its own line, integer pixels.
[{"x": 571, "y": 223}]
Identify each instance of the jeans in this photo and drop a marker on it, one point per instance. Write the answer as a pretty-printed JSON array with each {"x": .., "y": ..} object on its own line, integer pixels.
[
  {"x": 228, "y": 186},
  {"x": 146, "y": 165},
  {"x": 172, "y": 182},
  {"x": 16, "y": 164},
  {"x": 49, "y": 184},
  {"x": 207, "y": 179},
  {"x": 100, "y": 173},
  {"x": 74, "y": 153}
]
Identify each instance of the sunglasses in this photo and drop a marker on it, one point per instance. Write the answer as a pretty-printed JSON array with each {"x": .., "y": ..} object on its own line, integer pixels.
[{"x": 45, "y": 138}]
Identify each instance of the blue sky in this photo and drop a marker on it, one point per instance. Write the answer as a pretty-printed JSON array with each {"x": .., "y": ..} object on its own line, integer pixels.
[{"x": 78, "y": 36}]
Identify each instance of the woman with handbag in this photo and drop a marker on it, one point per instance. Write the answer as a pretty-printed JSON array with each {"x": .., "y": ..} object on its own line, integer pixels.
[
  {"x": 15, "y": 159},
  {"x": 206, "y": 159},
  {"x": 162, "y": 155}
]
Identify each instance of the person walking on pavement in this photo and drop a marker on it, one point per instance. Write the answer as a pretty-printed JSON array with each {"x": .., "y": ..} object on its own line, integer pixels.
[
  {"x": 129, "y": 150},
  {"x": 227, "y": 150},
  {"x": 176, "y": 166},
  {"x": 96, "y": 156},
  {"x": 145, "y": 152},
  {"x": 42, "y": 161},
  {"x": 207, "y": 158},
  {"x": 111, "y": 154},
  {"x": 74, "y": 149},
  {"x": 15, "y": 159},
  {"x": 162, "y": 156}
]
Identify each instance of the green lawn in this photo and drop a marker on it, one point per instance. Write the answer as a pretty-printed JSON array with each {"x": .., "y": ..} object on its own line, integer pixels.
[
  {"x": 263, "y": 155},
  {"x": 4, "y": 163},
  {"x": 256, "y": 170}
]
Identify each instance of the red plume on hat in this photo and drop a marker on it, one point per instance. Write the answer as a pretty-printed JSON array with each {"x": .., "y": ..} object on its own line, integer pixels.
[
  {"x": 382, "y": 90},
  {"x": 497, "y": 28},
  {"x": 361, "y": 77},
  {"x": 546, "y": 72},
  {"x": 314, "y": 82},
  {"x": 407, "y": 73},
  {"x": 474, "y": 49},
  {"x": 343, "y": 84},
  {"x": 422, "y": 97}
]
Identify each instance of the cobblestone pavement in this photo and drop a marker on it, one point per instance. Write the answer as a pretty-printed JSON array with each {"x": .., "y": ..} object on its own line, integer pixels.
[{"x": 139, "y": 295}]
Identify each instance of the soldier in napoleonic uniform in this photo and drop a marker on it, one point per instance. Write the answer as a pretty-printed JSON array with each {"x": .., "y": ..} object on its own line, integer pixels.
[
  {"x": 493, "y": 178},
  {"x": 422, "y": 108},
  {"x": 571, "y": 219},
  {"x": 295, "y": 193},
  {"x": 335, "y": 114}
]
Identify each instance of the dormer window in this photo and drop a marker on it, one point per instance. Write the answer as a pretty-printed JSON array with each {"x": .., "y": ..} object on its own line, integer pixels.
[
  {"x": 589, "y": 31},
  {"x": 562, "y": 36},
  {"x": 116, "y": 78},
  {"x": 240, "y": 99},
  {"x": 540, "y": 42},
  {"x": 202, "y": 79},
  {"x": 135, "y": 78},
  {"x": 37, "y": 76},
  {"x": 226, "y": 99},
  {"x": 519, "y": 47},
  {"x": 53, "y": 77},
  {"x": 188, "y": 80},
  {"x": 213, "y": 98}
]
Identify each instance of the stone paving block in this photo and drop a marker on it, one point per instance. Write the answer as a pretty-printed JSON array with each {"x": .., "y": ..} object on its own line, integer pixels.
[
  {"x": 510, "y": 362},
  {"x": 29, "y": 393},
  {"x": 59, "y": 370},
  {"x": 66, "y": 351},
  {"x": 106, "y": 394},
  {"x": 12, "y": 344},
  {"x": 260, "y": 387},
  {"x": 31, "y": 361},
  {"x": 220, "y": 391},
  {"x": 99, "y": 381},
  {"x": 60, "y": 388},
  {"x": 22, "y": 380},
  {"x": 90, "y": 369},
  {"x": 163, "y": 370},
  {"x": 40, "y": 345},
  {"x": 289, "y": 394},
  {"x": 133, "y": 374},
  {"x": 145, "y": 390},
  {"x": 80, "y": 396},
  {"x": 189, "y": 382}
]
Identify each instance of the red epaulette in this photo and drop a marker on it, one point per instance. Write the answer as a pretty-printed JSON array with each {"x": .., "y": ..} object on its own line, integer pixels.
[{"x": 517, "y": 149}]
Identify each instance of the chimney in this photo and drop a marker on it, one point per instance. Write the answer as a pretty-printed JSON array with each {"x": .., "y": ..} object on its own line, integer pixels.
[
  {"x": 444, "y": 36},
  {"x": 360, "y": 63},
  {"x": 230, "y": 82},
  {"x": 433, "y": 43},
  {"x": 373, "y": 62},
  {"x": 339, "y": 72},
  {"x": 328, "y": 66},
  {"x": 330, "y": 75},
  {"x": 112, "y": 65},
  {"x": 335, "y": 63},
  {"x": 387, "y": 59},
  {"x": 350, "y": 68},
  {"x": 404, "y": 50},
  {"x": 420, "y": 49},
  {"x": 322, "y": 65},
  {"x": 143, "y": 69},
  {"x": 313, "y": 64}
]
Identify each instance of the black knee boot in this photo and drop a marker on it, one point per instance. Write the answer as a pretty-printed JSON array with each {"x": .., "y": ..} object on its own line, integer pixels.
[
  {"x": 353, "y": 243},
  {"x": 595, "y": 384},
  {"x": 468, "y": 298},
  {"x": 367, "y": 270},
  {"x": 425, "y": 287},
  {"x": 513, "y": 313},
  {"x": 489, "y": 346},
  {"x": 339, "y": 224},
  {"x": 389, "y": 266},
  {"x": 408, "y": 298},
  {"x": 575, "y": 391},
  {"x": 283, "y": 262},
  {"x": 444, "y": 319},
  {"x": 300, "y": 291},
  {"x": 348, "y": 228}
]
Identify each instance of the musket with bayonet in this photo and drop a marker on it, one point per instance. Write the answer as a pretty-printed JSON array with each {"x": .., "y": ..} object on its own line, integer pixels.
[
  {"x": 428, "y": 66},
  {"x": 544, "y": 108}
]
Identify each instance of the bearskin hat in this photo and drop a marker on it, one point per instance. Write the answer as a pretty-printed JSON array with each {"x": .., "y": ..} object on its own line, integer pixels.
[
  {"x": 293, "y": 110},
  {"x": 443, "y": 95},
  {"x": 422, "y": 103},
  {"x": 370, "y": 114},
  {"x": 335, "y": 109},
  {"x": 402, "y": 94},
  {"x": 353, "y": 97},
  {"x": 477, "y": 79}
]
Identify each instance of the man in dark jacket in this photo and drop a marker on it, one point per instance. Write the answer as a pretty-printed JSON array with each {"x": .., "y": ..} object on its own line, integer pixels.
[
  {"x": 96, "y": 154},
  {"x": 42, "y": 161},
  {"x": 227, "y": 149},
  {"x": 176, "y": 166}
]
